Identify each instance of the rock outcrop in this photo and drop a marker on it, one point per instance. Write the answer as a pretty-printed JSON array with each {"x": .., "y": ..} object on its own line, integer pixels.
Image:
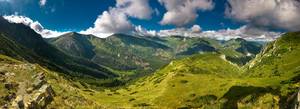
[{"x": 28, "y": 92}]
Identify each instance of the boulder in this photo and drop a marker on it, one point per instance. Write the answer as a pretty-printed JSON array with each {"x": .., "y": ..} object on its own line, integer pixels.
[{"x": 41, "y": 98}]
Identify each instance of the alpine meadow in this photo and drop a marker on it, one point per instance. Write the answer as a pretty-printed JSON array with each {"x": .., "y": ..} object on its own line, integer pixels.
[{"x": 150, "y": 54}]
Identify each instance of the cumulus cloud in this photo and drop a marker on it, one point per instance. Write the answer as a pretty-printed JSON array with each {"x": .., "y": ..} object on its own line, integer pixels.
[
  {"x": 35, "y": 25},
  {"x": 183, "y": 12},
  {"x": 43, "y": 2},
  {"x": 246, "y": 32},
  {"x": 278, "y": 14},
  {"x": 135, "y": 8},
  {"x": 112, "y": 21},
  {"x": 115, "y": 20},
  {"x": 196, "y": 29},
  {"x": 139, "y": 30},
  {"x": 187, "y": 32}
]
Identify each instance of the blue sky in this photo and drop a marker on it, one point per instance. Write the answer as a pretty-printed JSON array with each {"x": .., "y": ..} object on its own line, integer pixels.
[
  {"x": 60, "y": 14},
  {"x": 76, "y": 15},
  {"x": 251, "y": 17}
]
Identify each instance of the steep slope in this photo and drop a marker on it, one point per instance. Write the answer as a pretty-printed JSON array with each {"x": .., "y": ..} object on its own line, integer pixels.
[
  {"x": 279, "y": 58},
  {"x": 131, "y": 52},
  {"x": 240, "y": 51},
  {"x": 121, "y": 52},
  {"x": 21, "y": 42},
  {"x": 25, "y": 85},
  {"x": 147, "y": 54},
  {"x": 74, "y": 44},
  {"x": 208, "y": 80}
]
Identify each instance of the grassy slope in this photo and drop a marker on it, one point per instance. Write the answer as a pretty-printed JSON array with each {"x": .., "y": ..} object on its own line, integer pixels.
[
  {"x": 144, "y": 54},
  {"x": 184, "y": 83},
  {"x": 67, "y": 92},
  {"x": 201, "y": 81},
  {"x": 21, "y": 42},
  {"x": 210, "y": 81}
]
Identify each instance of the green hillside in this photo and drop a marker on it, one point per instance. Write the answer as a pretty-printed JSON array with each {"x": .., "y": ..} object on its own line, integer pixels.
[
  {"x": 278, "y": 59},
  {"x": 21, "y": 42},
  {"x": 210, "y": 81},
  {"x": 120, "y": 52},
  {"x": 147, "y": 54},
  {"x": 83, "y": 71},
  {"x": 32, "y": 86}
]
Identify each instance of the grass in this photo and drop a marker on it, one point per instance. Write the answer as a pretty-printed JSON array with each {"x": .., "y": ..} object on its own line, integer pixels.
[
  {"x": 200, "y": 81},
  {"x": 178, "y": 85}
]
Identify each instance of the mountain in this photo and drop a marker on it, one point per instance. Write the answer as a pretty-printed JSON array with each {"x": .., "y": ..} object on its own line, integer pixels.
[
  {"x": 21, "y": 42},
  {"x": 209, "y": 80},
  {"x": 277, "y": 59},
  {"x": 121, "y": 52},
  {"x": 240, "y": 51},
  {"x": 147, "y": 54},
  {"x": 74, "y": 44},
  {"x": 191, "y": 72}
]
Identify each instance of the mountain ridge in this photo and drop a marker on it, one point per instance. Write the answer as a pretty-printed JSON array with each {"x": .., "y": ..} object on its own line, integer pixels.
[
  {"x": 39, "y": 51},
  {"x": 208, "y": 79},
  {"x": 143, "y": 52}
]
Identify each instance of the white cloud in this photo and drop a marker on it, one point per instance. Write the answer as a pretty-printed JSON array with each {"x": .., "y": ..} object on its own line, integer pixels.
[
  {"x": 43, "y": 2},
  {"x": 280, "y": 14},
  {"x": 112, "y": 21},
  {"x": 135, "y": 8},
  {"x": 115, "y": 20},
  {"x": 196, "y": 29},
  {"x": 35, "y": 25},
  {"x": 183, "y": 12},
  {"x": 139, "y": 30},
  {"x": 245, "y": 32}
]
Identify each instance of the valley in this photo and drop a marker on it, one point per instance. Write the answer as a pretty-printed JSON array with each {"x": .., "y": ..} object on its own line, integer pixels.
[{"x": 125, "y": 71}]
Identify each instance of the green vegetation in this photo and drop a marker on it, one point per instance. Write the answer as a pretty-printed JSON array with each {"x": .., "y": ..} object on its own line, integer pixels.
[
  {"x": 142, "y": 54},
  {"x": 114, "y": 72},
  {"x": 22, "y": 43}
]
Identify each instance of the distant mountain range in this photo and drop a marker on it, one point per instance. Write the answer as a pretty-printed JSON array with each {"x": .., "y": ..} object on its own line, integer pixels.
[
  {"x": 141, "y": 53},
  {"x": 124, "y": 71}
]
